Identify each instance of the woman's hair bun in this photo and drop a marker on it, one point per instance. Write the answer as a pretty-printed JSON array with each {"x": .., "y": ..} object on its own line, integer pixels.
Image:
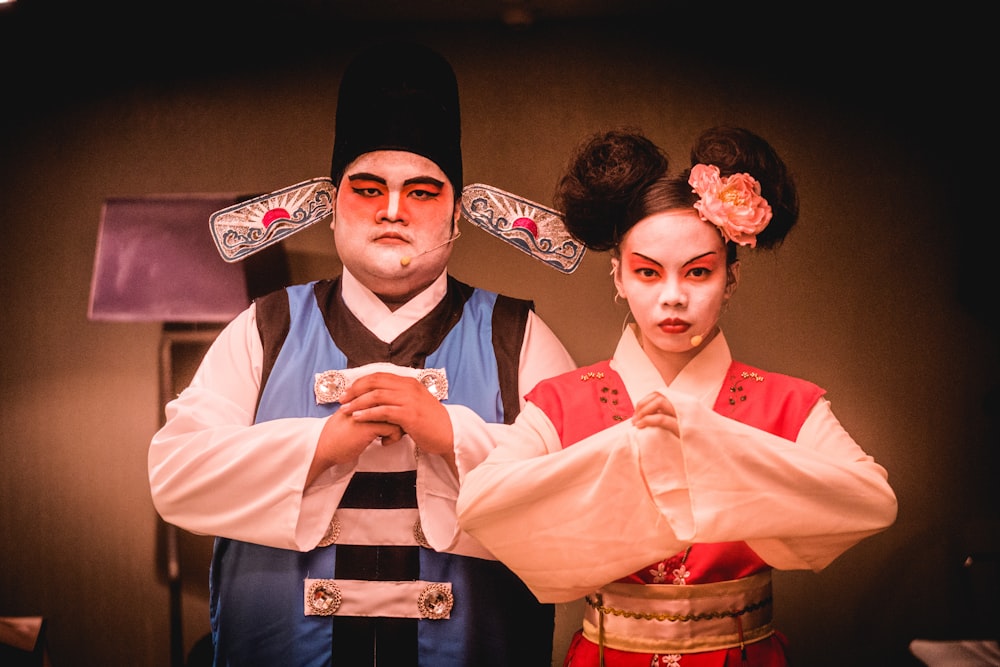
[
  {"x": 737, "y": 150},
  {"x": 604, "y": 175}
]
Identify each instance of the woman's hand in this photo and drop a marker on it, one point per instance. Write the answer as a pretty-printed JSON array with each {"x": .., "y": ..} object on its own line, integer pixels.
[{"x": 656, "y": 410}]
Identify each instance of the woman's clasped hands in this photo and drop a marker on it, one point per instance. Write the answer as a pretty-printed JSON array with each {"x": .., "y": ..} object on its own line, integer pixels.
[{"x": 655, "y": 410}]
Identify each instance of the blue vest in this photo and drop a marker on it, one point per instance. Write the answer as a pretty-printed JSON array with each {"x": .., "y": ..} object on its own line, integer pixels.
[{"x": 257, "y": 592}]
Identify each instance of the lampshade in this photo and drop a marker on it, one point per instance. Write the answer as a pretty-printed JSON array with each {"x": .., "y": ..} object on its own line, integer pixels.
[{"x": 156, "y": 261}]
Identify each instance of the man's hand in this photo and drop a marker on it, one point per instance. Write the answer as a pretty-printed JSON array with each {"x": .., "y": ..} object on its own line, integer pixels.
[
  {"x": 344, "y": 438},
  {"x": 386, "y": 398}
]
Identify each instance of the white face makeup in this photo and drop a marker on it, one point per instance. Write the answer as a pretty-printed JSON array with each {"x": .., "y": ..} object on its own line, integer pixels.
[
  {"x": 395, "y": 213},
  {"x": 672, "y": 271}
]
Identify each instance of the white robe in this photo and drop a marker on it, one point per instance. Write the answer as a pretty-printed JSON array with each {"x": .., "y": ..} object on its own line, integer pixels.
[
  {"x": 213, "y": 471},
  {"x": 568, "y": 521}
]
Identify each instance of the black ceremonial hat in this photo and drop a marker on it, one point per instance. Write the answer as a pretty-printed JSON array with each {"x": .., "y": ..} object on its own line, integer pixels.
[{"x": 399, "y": 97}]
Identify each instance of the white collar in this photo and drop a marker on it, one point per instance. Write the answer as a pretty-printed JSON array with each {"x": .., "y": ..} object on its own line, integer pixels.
[
  {"x": 701, "y": 378},
  {"x": 384, "y": 323}
]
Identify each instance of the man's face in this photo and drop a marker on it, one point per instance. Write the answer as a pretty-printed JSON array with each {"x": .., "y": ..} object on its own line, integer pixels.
[{"x": 395, "y": 213}]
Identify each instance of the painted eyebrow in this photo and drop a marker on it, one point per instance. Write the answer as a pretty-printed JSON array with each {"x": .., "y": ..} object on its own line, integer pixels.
[
  {"x": 425, "y": 180},
  {"x": 690, "y": 261},
  {"x": 643, "y": 257},
  {"x": 363, "y": 176},
  {"x": 701, "y": 256}
]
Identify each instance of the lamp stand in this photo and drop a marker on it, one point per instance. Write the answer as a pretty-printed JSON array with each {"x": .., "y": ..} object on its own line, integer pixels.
[{"x": 174, "y": 376}]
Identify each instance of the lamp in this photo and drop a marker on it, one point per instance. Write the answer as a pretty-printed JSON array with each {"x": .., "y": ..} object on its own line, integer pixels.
[{"x": 156, "y": 262}]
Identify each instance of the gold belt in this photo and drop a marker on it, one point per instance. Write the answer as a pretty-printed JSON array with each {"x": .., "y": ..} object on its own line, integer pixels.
[{"x": 668, "y": 618}]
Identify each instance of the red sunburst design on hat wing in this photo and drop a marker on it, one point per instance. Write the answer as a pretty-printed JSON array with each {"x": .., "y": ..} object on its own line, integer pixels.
[{"x": 252, "y": 225}]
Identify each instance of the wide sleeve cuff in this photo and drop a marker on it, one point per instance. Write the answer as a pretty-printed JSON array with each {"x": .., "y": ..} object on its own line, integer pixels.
[{"x": 437, "y": 488}]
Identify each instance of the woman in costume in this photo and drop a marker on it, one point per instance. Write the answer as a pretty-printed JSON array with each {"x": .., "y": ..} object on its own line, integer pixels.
[{"x": 664, "y": 484}]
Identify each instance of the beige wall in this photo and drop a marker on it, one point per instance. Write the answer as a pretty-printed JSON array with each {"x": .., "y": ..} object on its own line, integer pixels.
[{"x": 863, "y": 298}]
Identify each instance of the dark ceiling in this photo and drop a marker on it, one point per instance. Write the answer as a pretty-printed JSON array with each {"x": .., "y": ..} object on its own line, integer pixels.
[
  {"x": 897, "y": 56},
  {"x": 509, "y": 12}
]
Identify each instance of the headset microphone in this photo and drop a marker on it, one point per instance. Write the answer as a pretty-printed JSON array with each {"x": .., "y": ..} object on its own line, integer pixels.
[{"x": 406, "y": 259}]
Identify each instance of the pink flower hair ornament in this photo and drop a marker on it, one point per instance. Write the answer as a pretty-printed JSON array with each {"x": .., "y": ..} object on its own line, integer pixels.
[{"x": 733, "y": 204}]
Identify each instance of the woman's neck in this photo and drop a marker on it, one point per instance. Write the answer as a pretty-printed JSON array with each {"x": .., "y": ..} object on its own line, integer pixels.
[{"x": 670, "y": 364}]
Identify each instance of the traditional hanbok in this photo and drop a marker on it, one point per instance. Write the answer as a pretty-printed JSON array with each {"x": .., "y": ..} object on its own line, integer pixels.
[{"x": 671, "y": 540}]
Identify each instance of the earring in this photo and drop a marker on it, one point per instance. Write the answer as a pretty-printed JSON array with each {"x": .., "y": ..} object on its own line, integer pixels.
[{"x": 628, "y": 316}]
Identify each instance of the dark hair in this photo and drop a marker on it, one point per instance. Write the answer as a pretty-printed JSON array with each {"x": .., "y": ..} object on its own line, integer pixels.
[
  {"x": 735, "y": 150},
  {"x": 616, "y": 178},
  {"x": 604, "y": 176}
]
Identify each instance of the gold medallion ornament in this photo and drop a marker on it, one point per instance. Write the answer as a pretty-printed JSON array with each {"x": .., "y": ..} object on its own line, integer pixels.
[
  {"x": 436, "y": 601},
  {"x": 418, "y": 535},
  {"x": 329, "y": 386},
  {"x": 323, "y": 598},
  {"x": 435, "y": 381},
  {"x": 332, "y": 533}
]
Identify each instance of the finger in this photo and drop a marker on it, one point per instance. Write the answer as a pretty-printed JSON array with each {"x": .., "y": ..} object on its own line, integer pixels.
[
  {"x": 374, "y": 414},
  {"x": 395, "y": 435},
  {"x": 374, "y": 382},
  {"x": 642, "y": 403},
  {"x": 665, "y": 422},
  {"x": 649, "y": 404},
  {"x": 647, "y": 409},
  {"x": 367, "y": 400},
  {"x": 402, "y": 417}
]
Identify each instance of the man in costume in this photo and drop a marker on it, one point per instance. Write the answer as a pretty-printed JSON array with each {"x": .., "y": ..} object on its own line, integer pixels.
[{"x": 323, "y": 435}]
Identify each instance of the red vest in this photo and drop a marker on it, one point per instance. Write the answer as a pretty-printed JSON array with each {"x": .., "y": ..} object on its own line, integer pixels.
[{"x": 591, "y": 399}]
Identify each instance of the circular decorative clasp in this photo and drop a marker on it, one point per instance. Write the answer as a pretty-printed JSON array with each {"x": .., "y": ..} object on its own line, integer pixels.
[
  {"x": 329, "y": 386},
  {"x": 435, "y": 601},
  {"x": 324, "y": 597},
  {"x": 418, "y": 535},
  {"x": 435, "y": 381},
  {"x": 332, "y": 533}
]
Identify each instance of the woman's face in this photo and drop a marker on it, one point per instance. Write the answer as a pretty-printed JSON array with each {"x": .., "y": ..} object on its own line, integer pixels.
[{"x": 672, "y": 271}]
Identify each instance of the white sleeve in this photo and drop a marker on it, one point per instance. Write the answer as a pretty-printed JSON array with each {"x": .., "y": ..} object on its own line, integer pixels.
[
  {"x": 546, "y": 512},
  {"x": 566, "y": 521},
  {"x": 542, "y": 356},
  {"x": 213, "y": 471},
  {"x": 798, "y": 505}
]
